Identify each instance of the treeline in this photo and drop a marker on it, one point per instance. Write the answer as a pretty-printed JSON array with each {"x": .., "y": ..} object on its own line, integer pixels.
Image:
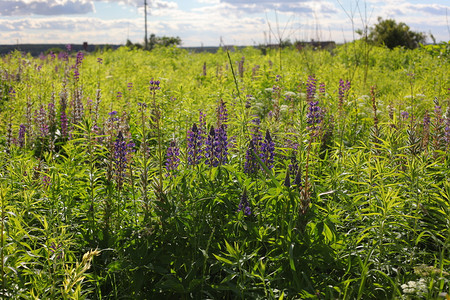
[{"x": 37, "y": 49}]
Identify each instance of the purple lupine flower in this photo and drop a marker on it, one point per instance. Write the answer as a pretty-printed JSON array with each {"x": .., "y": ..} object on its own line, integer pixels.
[
  {"x": 204, "y": 69},
  {"x": 287, "y": 179},
  {"x": 426, "y": 120},
  {"x": 195, "y": 141},
  {"x": 311, "y": 88},
  {"x": 314, "y": 116},
  {"x": 52, "y": 55},
  {"x": 130, "y": 86},
  {"x": 173, "y": 159},
  {"x": 80, "y": 57},
  {"x": 69, "y": 47},
  {"x": 267, "y": 150},
  {"x": 121, "y": 149},
  {"x": 76, "y": 74},
  {"x": 210, "y": 147},
  {"x": 322, "y": 89},
  {"x": 341, "y": 93},
  {"x": 216, "y": 147},
  {"x": 119, "y": 95},
  {"x": 251, "y": 165},
  {"x": 154, "y": 86},
  {"x": 100, "y": 60},
  {"x": 244, "y": 205},
  {"x": 41, "y": 121},
  {"x": 222, "y": 114},
  {"x": 404, "y": 115},
  {"x": 63, "y": 56},
  {"x": 21, "y": 137},
  {"x": 112, "y": 116},
  {"x": 248, "y": 103}
]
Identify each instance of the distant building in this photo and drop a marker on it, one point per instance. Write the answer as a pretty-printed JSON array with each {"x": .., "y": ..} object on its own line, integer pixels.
[{"x": 328, "y": 45}]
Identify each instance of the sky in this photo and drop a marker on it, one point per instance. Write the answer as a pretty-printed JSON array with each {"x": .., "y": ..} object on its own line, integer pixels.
[{"x": 211, "y": 22}]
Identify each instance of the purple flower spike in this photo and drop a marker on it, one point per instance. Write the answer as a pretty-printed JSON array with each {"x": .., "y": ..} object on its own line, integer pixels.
[
  {"x": 21, "y": 138},
  {"x": 121, "y": 150},
  {"x": 216, "y": 147},
  {"x": 244, "y": 205},
  {"x": 154, "y": 86},
  {"x": 222, "y": 114},
  {"x": 173, "y": 159},
  {"x": 195, "y": 141},
  {"x": 311, "y": 88},
  {"x": 314, "y": 116},
  {"x": 267, "y": 150}
]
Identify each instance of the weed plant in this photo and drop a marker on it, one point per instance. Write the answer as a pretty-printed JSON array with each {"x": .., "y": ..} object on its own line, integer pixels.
[{"x": 172, "y": 175}]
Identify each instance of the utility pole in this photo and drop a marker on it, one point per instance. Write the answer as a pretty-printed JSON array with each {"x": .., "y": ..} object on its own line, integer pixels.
[{"x": 145, "y": 13}]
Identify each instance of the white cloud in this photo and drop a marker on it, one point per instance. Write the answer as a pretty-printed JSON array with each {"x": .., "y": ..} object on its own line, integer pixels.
[
  {"x": 42, "y": 7},
  {"x": 286, "y": 6}
]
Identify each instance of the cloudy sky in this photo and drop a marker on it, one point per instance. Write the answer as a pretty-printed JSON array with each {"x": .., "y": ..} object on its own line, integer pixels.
[{"x": 210, "y": 22}]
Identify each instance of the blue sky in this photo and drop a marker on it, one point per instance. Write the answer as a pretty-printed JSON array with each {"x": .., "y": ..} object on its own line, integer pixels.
[{"x": 208, "y": 22}]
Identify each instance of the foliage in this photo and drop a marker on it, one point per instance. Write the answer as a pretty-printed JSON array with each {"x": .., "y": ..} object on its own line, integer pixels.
[
  {"x": 167, "y": 174},
  {"x": 392, "y": 34}
]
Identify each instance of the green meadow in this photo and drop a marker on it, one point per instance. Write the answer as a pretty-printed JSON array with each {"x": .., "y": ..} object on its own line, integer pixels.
[{"x": 165, "y": 174}]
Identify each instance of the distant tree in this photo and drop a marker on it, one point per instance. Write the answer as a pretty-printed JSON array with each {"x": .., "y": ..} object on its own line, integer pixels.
[
  {"x": 392, "y": 34},
  {"x": 164, "y": 41}
]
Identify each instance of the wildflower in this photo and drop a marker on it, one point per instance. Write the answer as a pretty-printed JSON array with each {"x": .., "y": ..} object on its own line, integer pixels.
[
  {"x": 173, "y": 160},
  {"x": 251, "y": 164},
  {"x": 21, "y": 137},
  {"x": 267, "y": 150},
  {"x": 216, "y": 146},
  {"x": 287, "y": 179},
  {"x": 322, "y": 89},
  {"x": 344, "y": 87},
  {"x": 80, "y": 57},
  {"x": 154, "y": 86},
  {"x": 244, "y": 205},
  {"x": 41, "y": 121},
  {"x": 314, "y": 116},
  {"x": 194, "y": 145},
  {"x": 100, "y": 60},
  {"x": 311, "y": 88},
  {"x": 112, "y": 116},
  {"x": 121, "y": 149},
  {"x": 222, "y": 114},
  {"x": 130, "y": 86},
  {"x": 221, "y": 145},
  {"x": 404, "y": 115}
]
